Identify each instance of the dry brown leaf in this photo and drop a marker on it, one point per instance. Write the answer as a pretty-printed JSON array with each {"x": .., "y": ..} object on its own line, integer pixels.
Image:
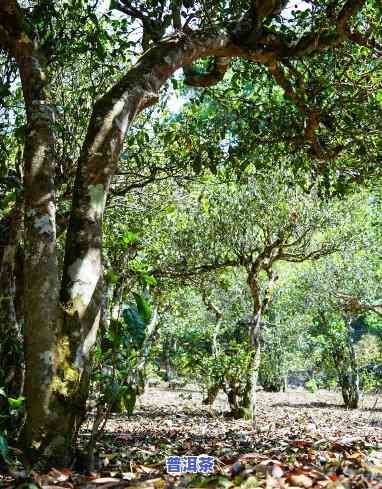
[
  {"x": 335, "y": 485},
  {"x": 300, "y": 480},
  {"x": 355, "y": 455},
  {"x": 301, "y": 443},
  {"x": 261, "y": 468},
  {"x": 60, "y": 475}
]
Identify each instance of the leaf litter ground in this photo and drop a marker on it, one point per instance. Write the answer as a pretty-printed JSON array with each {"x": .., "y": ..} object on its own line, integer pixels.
[{"x": 301, "y": 440}]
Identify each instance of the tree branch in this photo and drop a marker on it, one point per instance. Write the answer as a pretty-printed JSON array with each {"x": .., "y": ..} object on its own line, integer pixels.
[
  {"x": 248, "y": 30},
  {"x": 313, "y": 255},
  {"x": 182, "y": 272},
  {"x": 312, "y": 116},
  {"x": 212, "y": 307},
  {"x": 11, "y": 29},
  {"x": 314, "y": 42},
  {"x": 216, "y": 73},
  {"x": 351, "y": 303},
  {"x": 364, "y": 40}
]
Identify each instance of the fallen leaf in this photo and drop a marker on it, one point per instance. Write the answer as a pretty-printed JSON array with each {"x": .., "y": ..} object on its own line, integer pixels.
[
  {"x": 59, "y": 475},
  {"x": 300, "y": 443},
  {"x": 300, "y": 480}
]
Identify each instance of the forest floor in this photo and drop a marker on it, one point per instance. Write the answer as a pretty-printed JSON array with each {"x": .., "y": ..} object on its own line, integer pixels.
[{"x": 301, "y": 440}]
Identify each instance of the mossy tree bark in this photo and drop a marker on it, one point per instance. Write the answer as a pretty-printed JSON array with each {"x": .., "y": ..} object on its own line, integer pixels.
[
  {"x": 81, "y": 289},
  {"x": 41, "y": 289}
]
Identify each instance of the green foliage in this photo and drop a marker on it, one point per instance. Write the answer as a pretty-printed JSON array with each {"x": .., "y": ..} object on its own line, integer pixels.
[
  {"x": 4, "y": 449},
  {"x": 271, "y": 372},
  {"x": 232, "y": 366},
  {"x": 16, "y": 403},
  {"x": 311, "y": 386},
  {"x": 117, "y": 374},
  {"x": 121, "y": 397},
  {"x": 136, "y": 318},
  {"x": 304, "y": 327},
  {"x": 11, "y": 411},
  {"x": 9, "y": 408}
]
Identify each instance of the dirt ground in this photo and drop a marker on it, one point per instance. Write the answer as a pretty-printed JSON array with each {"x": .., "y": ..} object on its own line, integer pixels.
[
  {"x": 300, "y": 440},
  {"x": 297, "y": 410}
]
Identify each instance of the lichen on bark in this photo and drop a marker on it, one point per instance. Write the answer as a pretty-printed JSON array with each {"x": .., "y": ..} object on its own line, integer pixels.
[{"x": 97, "y": 199}]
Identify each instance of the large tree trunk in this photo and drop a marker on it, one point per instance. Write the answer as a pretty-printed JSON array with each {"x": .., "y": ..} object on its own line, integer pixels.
[
  {"x": 47, "y": 434},
  {"x": 238, "y": 395},
  {"x": 350, "y": 389},
  {"x": 61, "y": 327},
  {"x": 42, "y": 428},
  {"x": 235, "y": 406},
  {"x": 212, "y": 393},
  {"x": 80, "y": 296}
]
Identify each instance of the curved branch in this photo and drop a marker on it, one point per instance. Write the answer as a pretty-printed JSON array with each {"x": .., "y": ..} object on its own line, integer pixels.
[
  {"x": 313, "y": 255},
  {"x": 212, "y": 307},
  {"x": 247, "y": 32},
  {"x": 353, "y": 304},
  {"x": 216, "y": 74},
  {"x": 312, "y": 116},
  {"x": 314, "y": 41},
  {"x": 364, "y": 40},
  {"x": 183, "y": 272}
]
